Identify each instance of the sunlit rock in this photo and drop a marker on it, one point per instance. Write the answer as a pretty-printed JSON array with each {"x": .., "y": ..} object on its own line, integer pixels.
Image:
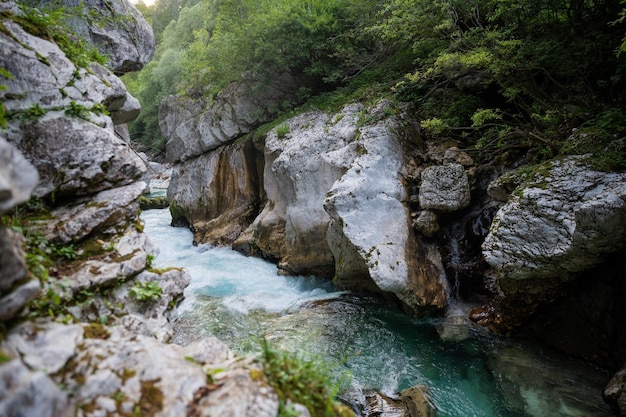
[
  {"x": 303, "y": 159},
  {"x": 370, "y": 233}
]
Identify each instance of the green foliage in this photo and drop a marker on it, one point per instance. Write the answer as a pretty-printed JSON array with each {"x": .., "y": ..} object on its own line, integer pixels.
[
  {"x": 35, "y": 111},
  {"x": 77, "y": 110},
  {"x": 282, "y": 130},
  {"x": 146, "y": 292},
  {"x": 302, "y": 380},
  {"x": 211, "y": 43},
  {"x": 509, "y": 77},
  {"x": 3, "y": 113}
]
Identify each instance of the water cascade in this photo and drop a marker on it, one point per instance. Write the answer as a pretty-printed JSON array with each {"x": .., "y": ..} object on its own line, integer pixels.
[{"x": 469, "y": 371}]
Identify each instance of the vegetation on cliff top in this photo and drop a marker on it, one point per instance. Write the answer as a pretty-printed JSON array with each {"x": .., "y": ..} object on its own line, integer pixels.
[{"x": 504, "y": 79}]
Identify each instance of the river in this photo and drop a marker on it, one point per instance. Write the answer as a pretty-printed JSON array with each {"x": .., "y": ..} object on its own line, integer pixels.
[{"x": 469, "y": 371}]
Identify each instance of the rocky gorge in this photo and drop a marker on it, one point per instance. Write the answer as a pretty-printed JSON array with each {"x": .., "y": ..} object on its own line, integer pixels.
[
  {"x": 356, "y": 196},
  {"x": 359, "y": 197}
]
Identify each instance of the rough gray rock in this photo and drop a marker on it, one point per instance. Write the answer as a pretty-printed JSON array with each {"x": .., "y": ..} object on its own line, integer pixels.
[
  {"x": 444, "y": 188},
  {"x": 564, "y": 220},
  {"x": 43, "y": 75},
  {"x": 12, "y": 303},
  {"x": 116, "y": 206},
  {"x": 18, "y": 177},
  {"x": 195, "y": 126},
  {"x": 300, "y": 167},
  {"x": 75, "y": 157},
  {"x": 46, "y": 95},
  {"x": 615, "y": 392},
  {"x": 118, "y": 30},
  {"x": 27, "y": 393},
  {"x": 13, "y": 267},
  {"x": 112, "y": 370},
  {"x": 426, "y": 223}
]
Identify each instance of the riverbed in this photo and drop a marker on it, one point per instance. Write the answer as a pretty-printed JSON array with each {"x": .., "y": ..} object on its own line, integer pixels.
[{"x": 469, "y": 371}]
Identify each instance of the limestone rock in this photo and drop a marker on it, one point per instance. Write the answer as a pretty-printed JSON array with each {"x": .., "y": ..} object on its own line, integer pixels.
[
  {"x": 118, "y": 30},
  {"x": 561, "y": 222},
  {"x": 426, "y": 223},
  {"x": 18, "y": 177},
  {"x": 43, "y": 75},
  {"x": 419, "y": 402},
  {"x": 369, "y": 233},
  {"x": 217, "y": 193},
  {"x": 75, "y": 157},
  {"x": 27, "y": 393},
  {"x": 13, "y": 267},
  {"x": 45, "y": 346},
  {"x": 195, "y": 126},
  {"x": 444, "y": 188},
  {"x": 12, "y": 303},
  {"x": 117, "y": 206},
  {"x": 378, "y": 404},
  {"x": 237, "y": 395},
  {"x": 300, "y": 167}
]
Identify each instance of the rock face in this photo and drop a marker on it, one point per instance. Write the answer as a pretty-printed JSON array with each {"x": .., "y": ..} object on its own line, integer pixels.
[
  {"x": 194, "y": 126},
  {"x": 562, "y": 221},
  {"x": 217, "y": 193},
  {"x": 333, "y": 204},
  {"x": 370, "y": 235},
  {"x": 117, "y": 29},
  {"x": 300, "y": 167},
  {"x": 112, "y": 371}
]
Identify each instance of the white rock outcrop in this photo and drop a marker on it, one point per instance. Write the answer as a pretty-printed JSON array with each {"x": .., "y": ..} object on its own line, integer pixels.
[{"x": 563, "y": 220}]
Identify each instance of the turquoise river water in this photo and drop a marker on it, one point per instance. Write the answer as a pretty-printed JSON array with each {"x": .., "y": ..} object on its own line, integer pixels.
[{"x": 469, "y": 371}]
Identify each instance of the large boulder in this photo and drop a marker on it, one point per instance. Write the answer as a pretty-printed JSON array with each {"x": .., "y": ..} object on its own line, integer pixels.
[
  {"x": 194, "y": 126},
  {"x": 370, "y": 233},
  {"x": 444, "y": 188},
  {"x": 117, "y": 29},
  {"x": 111, "y": 370},
  {"x": 561, "y": 221},
  {"x": 30, "y": 393}
]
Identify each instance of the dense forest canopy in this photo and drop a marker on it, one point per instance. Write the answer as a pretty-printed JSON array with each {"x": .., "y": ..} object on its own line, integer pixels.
[{"x": 501, "y": 78}]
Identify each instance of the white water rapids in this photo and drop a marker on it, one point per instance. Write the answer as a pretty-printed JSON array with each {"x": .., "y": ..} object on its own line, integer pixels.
[{"x": 469, "y": 371}]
